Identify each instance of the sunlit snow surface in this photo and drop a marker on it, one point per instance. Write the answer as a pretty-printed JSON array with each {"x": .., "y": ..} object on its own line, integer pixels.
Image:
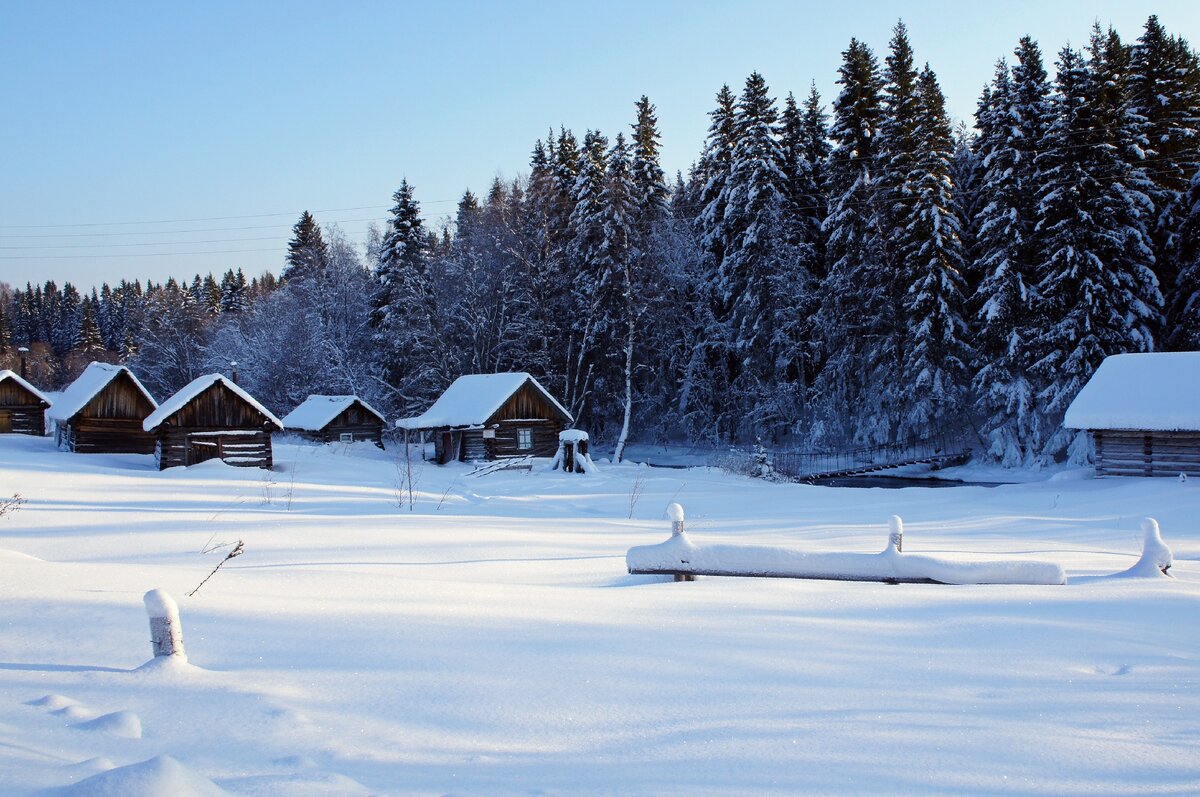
[{"x": 490, "y": 642}]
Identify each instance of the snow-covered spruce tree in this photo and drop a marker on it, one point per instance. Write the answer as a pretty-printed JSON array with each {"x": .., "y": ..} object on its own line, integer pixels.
[
  {"x": 401, "y": 316},
  {"x": 966, "y": 175},
  {"x": 1183, "y": 330},
  {"x": 803, "y": 137},
  {"x": 645, "y": 169},
  {"x": 852, "y": 292},
  {"x": 933, "y": 393},
  {"x": 653, "y": 376},
  {"x": 707, "y": 194},
  {"x": 5, "y": 332},
  {"x": 755, "y": 208},
  {"x": 90, "y": 343},
  {"x": 1096, "y": 291},
  {"x": 884, "y": 359},
  {"x": 1164, "y": 93},
  {"x": 711, "y": 175},
  {"x": 1013, "y": 118},
  {"x": 534, "y": 246},
  {"x": 233, "y": 292},
  {"x": 586, "y": 325},
  {"x": 621, "y": 303},
  {"x": 307, "y": 252}
]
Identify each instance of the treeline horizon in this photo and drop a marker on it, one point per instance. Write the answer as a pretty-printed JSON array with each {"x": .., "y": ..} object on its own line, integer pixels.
[{"x": 857, "y": 275}]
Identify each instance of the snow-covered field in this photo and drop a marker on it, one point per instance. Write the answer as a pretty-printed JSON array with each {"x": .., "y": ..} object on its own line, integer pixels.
[{"x": 491, "y": 643}]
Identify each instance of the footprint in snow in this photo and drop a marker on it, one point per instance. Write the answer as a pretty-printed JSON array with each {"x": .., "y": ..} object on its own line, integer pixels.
[
  {"x": 1124, "y": 669},
  {"x": 124, "y": 724}
]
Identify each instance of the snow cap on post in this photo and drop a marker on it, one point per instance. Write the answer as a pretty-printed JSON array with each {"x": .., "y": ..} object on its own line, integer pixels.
[
  {"x": 1155, "y": 552},
  {"x": 675, "y": 512},
  {"x": 166, "y": 632},
  {"x": 895, "y": 534}
]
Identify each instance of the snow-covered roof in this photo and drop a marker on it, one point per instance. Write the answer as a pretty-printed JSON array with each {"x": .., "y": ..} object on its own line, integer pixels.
[
  {"x": 474, "y": 398},
  {"x": 315, "y": 413},
  {"x": 194, "y": 388},
  {"x": 1152, "y": 392},
  {"x": 6, "y": 374},
  {"x": 93, "y": 379}
]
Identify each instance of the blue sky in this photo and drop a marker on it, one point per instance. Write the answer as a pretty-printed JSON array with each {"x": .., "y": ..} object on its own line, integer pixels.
[{"x": 224, "y": 120}]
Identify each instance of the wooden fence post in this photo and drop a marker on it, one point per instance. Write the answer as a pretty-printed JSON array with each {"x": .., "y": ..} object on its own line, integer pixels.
[
  {"x": 895, "y": 534},
  {"x": 675, "y": 512},
  {"x": 166, "y": 632}
]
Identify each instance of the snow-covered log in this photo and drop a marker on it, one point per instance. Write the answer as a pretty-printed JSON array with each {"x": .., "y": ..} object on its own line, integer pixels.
[
  {"x": 166, "y": 632},
  {"x": 680, "y": 556}
]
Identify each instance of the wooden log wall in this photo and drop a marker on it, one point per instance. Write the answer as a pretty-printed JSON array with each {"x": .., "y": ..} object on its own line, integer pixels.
[
  {"x": 1131, "y": 453},
  {"x": 106, "y": 436},
  {"x": 361, "y": 433},
  {"x": 544, "y": 433},
  {"x": 188, "y": 446},
  {"x": 23, "y": 419},
  {"x": 21, "y": 412}
]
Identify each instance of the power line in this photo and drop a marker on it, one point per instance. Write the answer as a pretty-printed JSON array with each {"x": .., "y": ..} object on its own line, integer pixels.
[
  {"x": 207, "y": 218},
  {"x": 136, "y": 254}
]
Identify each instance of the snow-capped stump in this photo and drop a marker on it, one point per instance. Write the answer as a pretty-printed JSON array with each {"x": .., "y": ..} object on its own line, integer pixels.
[
  {"x": 1156, "y": 558},
  {"x": 572, "y": 455},
  {"x": 166, "y": 632},
  {"x": 680, "y": 557}
]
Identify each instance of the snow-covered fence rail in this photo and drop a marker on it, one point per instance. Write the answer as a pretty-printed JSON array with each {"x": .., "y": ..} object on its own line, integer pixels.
[{"x": 681, "y": 558}]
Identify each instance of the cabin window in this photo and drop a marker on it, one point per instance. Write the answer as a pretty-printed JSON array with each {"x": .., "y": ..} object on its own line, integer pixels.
[
  {"x": 524, "y": 439},
  {"x": 346, "y": 437}
]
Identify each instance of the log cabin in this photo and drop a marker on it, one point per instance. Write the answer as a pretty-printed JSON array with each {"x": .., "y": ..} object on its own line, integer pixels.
[
  {"x": 212, "y": 418},
  {"x": 1143, "y": 414},
  {"x": 334, "y": 419},
  {"x": 22, "y": 406},
  {"x": 102, "y": 412},
  {"x": 484, "y": 417}
]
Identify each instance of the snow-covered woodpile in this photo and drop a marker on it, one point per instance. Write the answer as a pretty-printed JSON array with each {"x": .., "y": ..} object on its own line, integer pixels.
[
  {"x": 1143, "y": 412},
  {"x": 102, "y": 412},
  {"x": 212, "y": 418},
  {"x": 22, "y": 406},
  {"x": 333, "y": 419},
  {"x": 491, "y": 416}
]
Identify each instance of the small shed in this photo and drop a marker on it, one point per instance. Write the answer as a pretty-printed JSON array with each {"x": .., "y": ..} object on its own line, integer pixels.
[
  {"x": 332, "y": 419},
  {"x": 212, "y": 418},
  {"x": 492, "y": 416},
  {"x": 22, "y": 406},
  {"x": 102, "y": 412},
  {"x": 1143, "y": 412}
]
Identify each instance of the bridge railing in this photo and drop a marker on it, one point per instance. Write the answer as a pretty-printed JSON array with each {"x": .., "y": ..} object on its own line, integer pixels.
[{"x": 801, "y": 465}]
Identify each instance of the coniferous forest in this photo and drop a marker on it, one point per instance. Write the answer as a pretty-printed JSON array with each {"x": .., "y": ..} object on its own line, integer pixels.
[{"x": 853, "y": 272}]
